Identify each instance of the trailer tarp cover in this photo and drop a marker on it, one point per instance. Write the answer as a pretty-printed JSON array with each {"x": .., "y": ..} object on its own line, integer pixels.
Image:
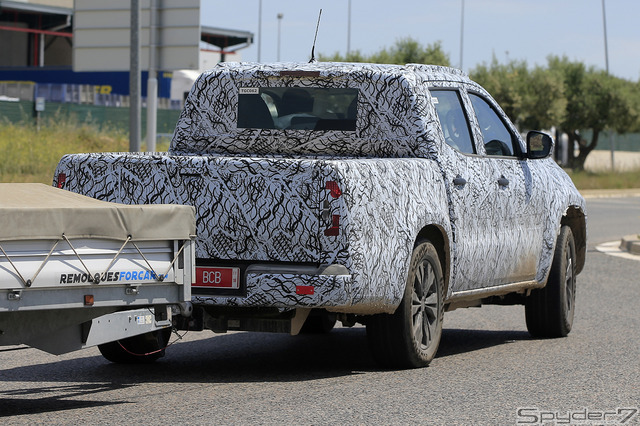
[{"x": 38, "y": 211}]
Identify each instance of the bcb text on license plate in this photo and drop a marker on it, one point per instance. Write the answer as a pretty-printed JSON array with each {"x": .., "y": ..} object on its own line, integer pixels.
[{"x": 218, "y": 277}]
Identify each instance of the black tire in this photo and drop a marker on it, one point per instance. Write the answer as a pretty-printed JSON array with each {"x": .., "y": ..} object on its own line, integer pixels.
[
  {"x": 319, "y": 321},
  {"x": 409, "y": 338},
  {"x": 549, "y": 311},
  {"x": 142, "y": 349}
]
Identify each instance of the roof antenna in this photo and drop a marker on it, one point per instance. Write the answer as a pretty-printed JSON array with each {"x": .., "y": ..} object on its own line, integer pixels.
[{"x": 313, "y": 48}]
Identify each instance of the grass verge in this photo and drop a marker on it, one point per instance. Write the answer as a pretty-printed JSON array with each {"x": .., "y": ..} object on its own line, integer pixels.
[
  {"x": 605, "y": 180},
  {"x": 31, "y": 155}
]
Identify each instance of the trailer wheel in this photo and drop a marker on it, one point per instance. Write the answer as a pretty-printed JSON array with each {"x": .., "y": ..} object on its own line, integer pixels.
[
  {"x": 142, "y": 349},
  {"x": 409, "y": 338}
]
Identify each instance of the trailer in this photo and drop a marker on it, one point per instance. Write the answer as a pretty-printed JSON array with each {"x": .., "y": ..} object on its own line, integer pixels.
[{"x": 77, "y": 272}]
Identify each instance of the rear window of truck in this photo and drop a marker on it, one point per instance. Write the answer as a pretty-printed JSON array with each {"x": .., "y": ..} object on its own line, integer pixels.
[{"x": 300, "y": 108}]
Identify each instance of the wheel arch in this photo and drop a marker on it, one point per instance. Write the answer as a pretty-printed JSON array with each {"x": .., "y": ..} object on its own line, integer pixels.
[
  {"x": 438, "y": 237},
  {"x": 576, "y": 219}
]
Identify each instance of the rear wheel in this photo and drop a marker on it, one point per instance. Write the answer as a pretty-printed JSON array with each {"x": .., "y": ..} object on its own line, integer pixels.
[
  {"x": 142, "y": 349},
  {"x": 549, "y": 311},
  {"x": 409, "y": 338}
]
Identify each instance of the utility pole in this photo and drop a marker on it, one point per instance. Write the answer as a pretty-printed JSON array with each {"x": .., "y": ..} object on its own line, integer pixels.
[{"x": 134, "y": 79}]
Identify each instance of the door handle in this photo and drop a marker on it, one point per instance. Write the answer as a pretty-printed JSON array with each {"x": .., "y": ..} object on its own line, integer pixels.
[
  {"x": 503, "y": 181},
  {"x": 459, "y": 181}
]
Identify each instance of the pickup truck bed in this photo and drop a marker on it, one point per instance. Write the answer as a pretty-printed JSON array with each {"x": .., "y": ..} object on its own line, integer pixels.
[{"x": 274, "y": 217}]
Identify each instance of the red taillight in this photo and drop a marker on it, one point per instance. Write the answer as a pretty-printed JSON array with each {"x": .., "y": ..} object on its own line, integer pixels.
[
  {"x": 335, "y": 226},
  {"x": 335, "y": 192},
  {"x": 62, "y": 178},
  {"x": 88, "y": 300},
  {"x": 334, "y": 188}
]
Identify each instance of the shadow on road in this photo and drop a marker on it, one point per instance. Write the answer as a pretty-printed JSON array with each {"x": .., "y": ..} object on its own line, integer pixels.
[
  {"x": 52, "y": 399},
  {"x": 251, "y": 357},
  {"x": 229, "y": 358},
  {"x": 458, "y": 341}
]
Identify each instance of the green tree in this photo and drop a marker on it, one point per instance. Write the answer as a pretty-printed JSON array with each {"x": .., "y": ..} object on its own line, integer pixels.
[
  {"x": 404, "y": 51},
  {"x": 531, "y": 98},
  {"x": 564, "y": 94},
  {"x": 505, "y": 82},
  {"x": 544, "y": 103},
  {"x": 595, "y": 101}
]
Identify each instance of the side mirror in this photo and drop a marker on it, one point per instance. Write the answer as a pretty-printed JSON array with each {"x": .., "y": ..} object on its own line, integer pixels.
[{"x": 539, "y": 145}]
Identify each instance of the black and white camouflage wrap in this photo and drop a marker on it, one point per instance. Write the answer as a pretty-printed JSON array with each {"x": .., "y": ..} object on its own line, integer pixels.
[
  {"x": 385, "y": 128},
  {"x": 259, "y": 194}
]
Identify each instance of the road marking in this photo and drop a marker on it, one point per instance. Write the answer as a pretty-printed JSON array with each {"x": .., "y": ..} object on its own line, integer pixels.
[
  {"x": 613, "y": 249},
  {"x": 599, "y": 194}
]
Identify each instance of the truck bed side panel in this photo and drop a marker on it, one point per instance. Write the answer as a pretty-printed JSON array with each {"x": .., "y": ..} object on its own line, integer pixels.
[{"x": 387, "y": 202}]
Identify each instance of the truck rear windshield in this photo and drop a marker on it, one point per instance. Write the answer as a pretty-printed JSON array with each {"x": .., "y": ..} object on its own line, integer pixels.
[{"x": 301, "y": 108}]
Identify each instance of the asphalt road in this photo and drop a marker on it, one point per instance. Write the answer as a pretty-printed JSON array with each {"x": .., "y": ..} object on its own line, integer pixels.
[{"x": 487, "y": 371}]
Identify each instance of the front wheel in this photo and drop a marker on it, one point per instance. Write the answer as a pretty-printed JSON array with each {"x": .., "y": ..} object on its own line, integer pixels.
[
  {"x": 409, "y": 338},
  {"x": 141, "y": 349},
  {"x": 549, "y": 310}
]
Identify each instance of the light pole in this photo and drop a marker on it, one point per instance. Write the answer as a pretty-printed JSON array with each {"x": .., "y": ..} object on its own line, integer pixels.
[
  {"x": 349, "y": 29},
  {"x": 461, "y": 32},
  {"x": 280, "y": 16},
  {"x": 606, "y": 60},
  {"x": 259, "y": 28}
]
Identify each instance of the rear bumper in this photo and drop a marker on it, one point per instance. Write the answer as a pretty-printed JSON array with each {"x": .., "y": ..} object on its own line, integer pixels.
[
  {"x": 278, "y": 287},
  {"x": 331, "y": 287}
]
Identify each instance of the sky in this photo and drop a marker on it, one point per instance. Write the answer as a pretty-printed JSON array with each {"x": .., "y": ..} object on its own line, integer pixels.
[{"x": 528, "y": 30}]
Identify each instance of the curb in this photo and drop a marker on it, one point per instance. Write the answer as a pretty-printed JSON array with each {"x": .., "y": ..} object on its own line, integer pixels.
[
  {"x": 610, "y": 193},
  {"x": 631, "y": 244}
]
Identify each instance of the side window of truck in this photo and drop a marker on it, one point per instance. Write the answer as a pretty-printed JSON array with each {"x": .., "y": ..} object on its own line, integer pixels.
[
  {"x": 453, "y": 120},
  {"x": 498, "y": 140}
]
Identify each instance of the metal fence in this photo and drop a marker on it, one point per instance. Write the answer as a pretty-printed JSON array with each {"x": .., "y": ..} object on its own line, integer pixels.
[
  {"x": 23, "y": 90},
  {"x": 72, "y": 93},
  {"x": 100, "y": 115}
]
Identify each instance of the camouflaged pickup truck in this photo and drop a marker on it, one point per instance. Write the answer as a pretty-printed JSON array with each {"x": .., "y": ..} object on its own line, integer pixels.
[{"x": 375, "y": 194}]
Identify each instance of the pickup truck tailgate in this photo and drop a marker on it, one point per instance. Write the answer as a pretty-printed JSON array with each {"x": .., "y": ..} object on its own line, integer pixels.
[
  {"x": 254, "y": 209},
  {"x": 259, "y": 209}
]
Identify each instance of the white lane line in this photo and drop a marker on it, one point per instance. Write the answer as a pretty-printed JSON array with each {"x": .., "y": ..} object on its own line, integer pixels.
[{"x": 613, "y": 248}]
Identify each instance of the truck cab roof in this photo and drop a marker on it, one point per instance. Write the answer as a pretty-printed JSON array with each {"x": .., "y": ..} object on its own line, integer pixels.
[{"x": 351, "y": 109}]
